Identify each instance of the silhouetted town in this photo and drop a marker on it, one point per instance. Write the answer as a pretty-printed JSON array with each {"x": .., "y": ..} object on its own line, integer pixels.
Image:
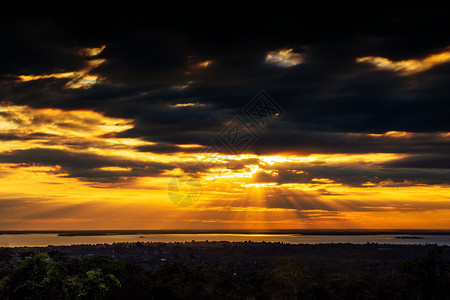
[{"x": 226, "y": 270}]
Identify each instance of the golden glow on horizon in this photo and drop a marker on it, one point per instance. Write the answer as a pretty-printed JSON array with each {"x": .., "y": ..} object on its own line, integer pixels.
[{"x": 231, "y": 198}]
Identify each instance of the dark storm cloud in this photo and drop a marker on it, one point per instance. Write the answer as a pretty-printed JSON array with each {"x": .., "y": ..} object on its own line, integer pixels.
[
  {"x": 177, "y": 125},
  {"x": 162, "y": 148},
  {"x": 30, "y": 136},
  {"x": 84, "y": 166},
  {"x": 422, "y": 162},
  {"x": 26, "y": 49},
  {"x": 149, "y": 57},
  {"x": 354, "y": 175},
  {"x": 9, "y": 137},
  {"x": 284, "y": 139}
]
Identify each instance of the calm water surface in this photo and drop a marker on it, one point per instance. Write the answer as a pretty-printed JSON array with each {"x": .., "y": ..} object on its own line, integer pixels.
[{"x": 21, "y": 240}]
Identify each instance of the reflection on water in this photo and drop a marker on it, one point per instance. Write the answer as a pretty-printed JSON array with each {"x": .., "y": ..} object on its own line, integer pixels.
[{"x": 21, "y": 240}]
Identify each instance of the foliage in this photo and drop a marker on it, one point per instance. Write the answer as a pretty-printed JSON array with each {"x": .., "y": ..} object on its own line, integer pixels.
[
  {"x": 55, "y": 276},
  {"x": 38, "y": 277}
]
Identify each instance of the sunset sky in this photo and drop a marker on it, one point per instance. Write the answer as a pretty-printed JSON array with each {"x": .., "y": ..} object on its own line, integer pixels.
[{"x": 100, "y": 113}]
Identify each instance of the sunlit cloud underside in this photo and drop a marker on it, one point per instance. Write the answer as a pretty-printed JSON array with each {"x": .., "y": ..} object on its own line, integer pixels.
[{"x": 73, "y": 170}]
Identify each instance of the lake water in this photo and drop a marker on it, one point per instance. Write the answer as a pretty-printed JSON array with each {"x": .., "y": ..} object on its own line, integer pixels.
[{"x": 22, "y": 240}]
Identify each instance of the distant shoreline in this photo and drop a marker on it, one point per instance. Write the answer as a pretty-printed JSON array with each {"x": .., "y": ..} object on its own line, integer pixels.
[{"x": 237, "y": 231}]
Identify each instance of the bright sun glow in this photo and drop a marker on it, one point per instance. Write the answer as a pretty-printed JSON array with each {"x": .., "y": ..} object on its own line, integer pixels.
[{"x": 128, "y": 187}]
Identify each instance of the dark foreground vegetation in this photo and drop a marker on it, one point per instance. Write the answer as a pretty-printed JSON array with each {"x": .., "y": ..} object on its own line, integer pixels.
[{"x": 224, "y": 270}]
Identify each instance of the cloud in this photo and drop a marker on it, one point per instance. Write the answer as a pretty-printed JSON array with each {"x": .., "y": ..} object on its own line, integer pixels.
[
  {"x": 287, "y": 140},
  {"x": 285, "y": 58},
  {"x": 85, "y": 166},
  {"x": 165, "y": 148},
  {"x": 353, "y": 175},
  {"x": 427, "y": 161},
  {"x": 91, "y": 52},
  {"x": 78, "y": 79},
  {"x": 187, "y": 104},
  {"x": 410, "y": 66},
  {"x": 124, "y": 96},
  {"x": 75, "y": 129}
]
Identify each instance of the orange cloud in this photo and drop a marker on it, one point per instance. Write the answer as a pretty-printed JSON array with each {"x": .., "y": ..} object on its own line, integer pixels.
[
  {"x": 80, "y": 78},
  {"x": 235, "y": 198},
  {"x": 407, "y": 67}
]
